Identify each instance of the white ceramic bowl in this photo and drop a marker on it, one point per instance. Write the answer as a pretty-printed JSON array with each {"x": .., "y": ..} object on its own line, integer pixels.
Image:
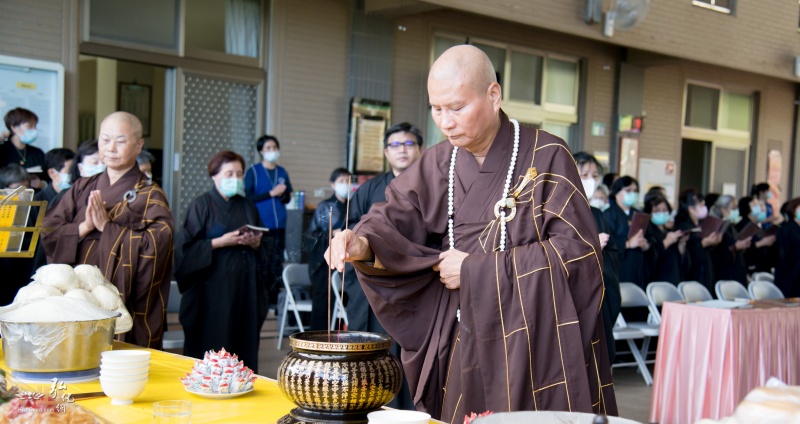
[
  {"x": 123, "y": 365},
  {"x": 119, "y": 356},
  {"x": 122, "y": 392},
  {"x": 396, "y": 416},
  {"x": 124, "y": 371},
  {"x": 124, "y": 378}
]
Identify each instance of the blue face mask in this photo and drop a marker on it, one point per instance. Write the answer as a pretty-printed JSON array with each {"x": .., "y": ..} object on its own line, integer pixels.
[
  {"x": 64, "y": 181},
  {"x": 797, "y": 214},
  {"x": 230, "y": 187},
  {"x": 660, "y": 218},
  {"x": 29, "y": 136},
  {"x": 769, "y": 195},
  {"x": 758, "y": 213},
  {"x": 89, "y": 170},
  {"x": 734, "y": 215},
  {"x": 630, "y": 198}
]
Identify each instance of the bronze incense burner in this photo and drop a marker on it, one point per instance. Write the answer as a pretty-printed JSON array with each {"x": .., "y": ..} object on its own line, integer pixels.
[{"x": 339, "y": 380}]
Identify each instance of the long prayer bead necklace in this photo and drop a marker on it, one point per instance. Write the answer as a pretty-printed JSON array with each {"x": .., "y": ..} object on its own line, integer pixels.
[{"x": 450, "y": 209}]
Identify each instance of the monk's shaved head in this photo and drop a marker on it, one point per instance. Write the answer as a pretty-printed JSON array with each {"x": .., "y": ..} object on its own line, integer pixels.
[
  {"x": 134, "y": 124},
  {"x": 120, "y": 140},
  {"x": 465, "y": 98},
  {"x": 467, "y": 63}
]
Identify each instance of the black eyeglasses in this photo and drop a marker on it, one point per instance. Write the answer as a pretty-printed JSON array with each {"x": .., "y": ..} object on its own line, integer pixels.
[{"x": 396, "y": 144}]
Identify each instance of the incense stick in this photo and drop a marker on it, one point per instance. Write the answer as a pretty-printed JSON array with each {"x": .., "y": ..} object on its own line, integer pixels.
[
  {"x": 330, "y": 270},
  {"x": 346, "y": 222}
]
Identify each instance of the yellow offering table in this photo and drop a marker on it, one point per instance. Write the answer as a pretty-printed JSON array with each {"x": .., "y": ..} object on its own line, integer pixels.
[{"x": 265, "y": 404}]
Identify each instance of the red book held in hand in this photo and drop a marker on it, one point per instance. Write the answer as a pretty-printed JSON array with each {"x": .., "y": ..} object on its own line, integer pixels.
[
  {"x": 710, "y": 225},
  {"x": 639, "y": 221}
]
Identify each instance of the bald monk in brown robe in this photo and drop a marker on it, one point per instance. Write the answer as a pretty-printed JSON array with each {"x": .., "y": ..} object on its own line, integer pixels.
[
  {"x": 501, "y": 322},
  {"x": 119, "y": 221}
]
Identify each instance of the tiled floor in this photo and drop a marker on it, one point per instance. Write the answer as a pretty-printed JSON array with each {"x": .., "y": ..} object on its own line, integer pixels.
[{"x": 633, "y": 396}]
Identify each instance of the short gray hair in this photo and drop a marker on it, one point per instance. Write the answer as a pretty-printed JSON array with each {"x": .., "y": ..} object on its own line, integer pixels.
[
  {"x": 722, "y": 202},
  {"x": 13, "y": 173},
  {"x": 145, "y": 157}
]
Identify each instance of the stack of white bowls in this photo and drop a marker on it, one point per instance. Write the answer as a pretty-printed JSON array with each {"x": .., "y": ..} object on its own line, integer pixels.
[{"x": 123, "y": 374}]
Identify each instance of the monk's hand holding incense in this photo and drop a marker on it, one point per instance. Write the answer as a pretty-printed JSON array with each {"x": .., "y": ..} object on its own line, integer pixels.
[
  {"x": 450, "y": 268},
  {"x": 99, "y": 214},
  {"x": 346, "y": 246}
]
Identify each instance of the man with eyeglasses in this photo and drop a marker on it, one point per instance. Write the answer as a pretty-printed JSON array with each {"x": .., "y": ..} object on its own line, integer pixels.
[{"x": 402, "y": 147}]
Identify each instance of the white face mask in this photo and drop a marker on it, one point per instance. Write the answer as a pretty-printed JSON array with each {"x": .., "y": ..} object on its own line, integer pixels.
[
  {"x": 341, "y": 190},
  {"x": 589, "y": 185},
  {"x": 89, "y": 170},
  {"x": 598, "y": 203},
  {"x": 271, "y": 156}
]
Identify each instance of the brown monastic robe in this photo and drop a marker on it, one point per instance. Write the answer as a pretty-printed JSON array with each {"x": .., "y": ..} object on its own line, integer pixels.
[
  {"x": 530, "y": 335},
  {"x": 134, "y": 251}
]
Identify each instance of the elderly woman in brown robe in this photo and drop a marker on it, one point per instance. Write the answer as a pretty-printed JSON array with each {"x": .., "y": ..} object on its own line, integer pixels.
[{"x": 120, "y": 222}]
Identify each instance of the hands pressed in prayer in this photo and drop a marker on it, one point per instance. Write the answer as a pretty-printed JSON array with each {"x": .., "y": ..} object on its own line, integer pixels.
[
  {"x": 87, "y": 226},
  {"x": 450, "y": 268},
  {"x": 98, "y": 208},
  {"x": 346, "y": 246},
  {"x": 603, "y": 240}
]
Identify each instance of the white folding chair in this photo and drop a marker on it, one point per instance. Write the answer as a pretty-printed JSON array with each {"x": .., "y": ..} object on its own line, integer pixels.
[
  {"x": 173, "y": 339},
  {"x": 623, "y": 332},
  {"x": 293, "y": 274},
  {"x": 763, "y": 276},
  {"x": 730, "y": 290},
  {"x": 634, "y": 297},
  {"x": 760, "y": 289},
  {"x": 339, "y": 313},
  {"x": 659, "y": 292},
  {"x": 693, "y": 291}
]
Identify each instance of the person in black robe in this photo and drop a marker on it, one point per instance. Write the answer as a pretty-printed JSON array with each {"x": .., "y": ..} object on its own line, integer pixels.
[
  {"x": 762, "y": 254},
  {"x": 728, "y": 255},
  {"x": 634, "y": 250},
  {"x": 787, "y": 268},
  {"x": 221, "y": 267},
  {"x": 58, "y": 163},
  {"x": 16, "y": 271},
  {"x": 317, "y": 242},
  {"x": 21, "y": 124},
  {"x": 402, "y": 146},
  {"x": 669, "y": 247},
  {"x": 697, "y": 265},
  {"x": 589, "y": 171}
]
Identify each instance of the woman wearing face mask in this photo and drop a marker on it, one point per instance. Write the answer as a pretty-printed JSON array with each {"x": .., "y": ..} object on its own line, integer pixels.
[
  {"x": 316, "y": 242},
  {"x": 588, "y": 169},
  {"x": 787, "y": 268},
  {"x": 697, "y": 263},
  {"x": 762, "y": 192},
  {"x": 220, "y": 268},
  {"x": 728, "y": 255},
  {"x": 761, "y": 256},
  {"x": 599, "y": 198},
  {"x": 624, "y": 194},
  {"x": 267, "y": 185},
  {"x": 669, "y": 247},
  {"x": 87, "y": 161},
  {"x": 21, "y": 124}
]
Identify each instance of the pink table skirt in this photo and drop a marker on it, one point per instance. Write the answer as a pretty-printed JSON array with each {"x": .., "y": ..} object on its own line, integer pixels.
[{"x": 708, "y": 359}]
